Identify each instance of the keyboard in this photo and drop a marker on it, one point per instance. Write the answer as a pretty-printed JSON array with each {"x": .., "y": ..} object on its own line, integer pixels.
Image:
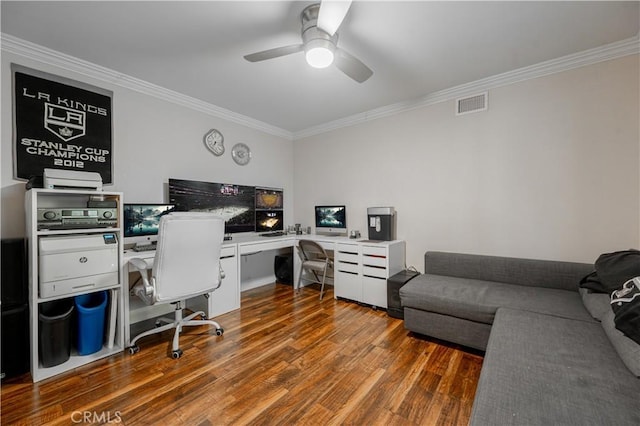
[
  {"x": 145, "y": 247},
  {"x": 274, "y": 234}
]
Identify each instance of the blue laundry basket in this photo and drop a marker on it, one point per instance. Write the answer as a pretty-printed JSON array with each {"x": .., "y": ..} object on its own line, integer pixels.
[{"x": 91, "y": 310}]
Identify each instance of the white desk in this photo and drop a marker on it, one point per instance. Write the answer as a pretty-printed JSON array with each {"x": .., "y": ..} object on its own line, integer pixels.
[{"x": 361, "y": 269}]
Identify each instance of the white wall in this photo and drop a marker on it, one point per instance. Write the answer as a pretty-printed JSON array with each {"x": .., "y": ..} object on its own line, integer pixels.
[
  {"x": 550, "y": 171},
  {"x": 153, "y": 140}
]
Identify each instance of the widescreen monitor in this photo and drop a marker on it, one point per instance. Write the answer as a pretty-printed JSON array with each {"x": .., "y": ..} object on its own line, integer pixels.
[
  {"x": 141, "y": 222},
  {"x": 234, "y": 203},
  {"x": 331, "y": 220}
]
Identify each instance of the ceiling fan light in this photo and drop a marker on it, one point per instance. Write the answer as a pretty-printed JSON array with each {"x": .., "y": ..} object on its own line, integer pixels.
[
  {"x": 319, "y": 57},
  {"x": 319, "y": 53}
]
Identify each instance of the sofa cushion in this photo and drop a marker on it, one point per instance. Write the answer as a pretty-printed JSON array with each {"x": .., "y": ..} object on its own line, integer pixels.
[
  {"x": 545, "y": 370},
  {"x": 478, "y": 300},
  {"x": 445, "y": 327},
  {"x": 525, "y": 272},
  {"x": 598, "y": 304},
  {"x": 628, "y": 350}
]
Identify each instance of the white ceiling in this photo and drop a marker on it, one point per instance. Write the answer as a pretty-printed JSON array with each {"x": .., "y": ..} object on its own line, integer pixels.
[{"x": 414, "y": 48}]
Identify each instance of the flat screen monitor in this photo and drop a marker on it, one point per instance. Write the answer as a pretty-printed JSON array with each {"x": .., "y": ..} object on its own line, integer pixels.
[
  {"x": 269, "y": 199},
  {"x": 234, "y": 203},
  {"x": 269, "y": 220},
  {"x": 331, "y": 220},
  {"x": 141, "y": 222}
]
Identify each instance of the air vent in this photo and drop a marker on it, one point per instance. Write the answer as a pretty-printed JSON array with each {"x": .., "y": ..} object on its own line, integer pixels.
[{"x": 470, "y": 104}]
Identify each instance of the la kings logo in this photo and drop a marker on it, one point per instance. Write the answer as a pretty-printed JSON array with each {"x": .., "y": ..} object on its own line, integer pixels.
[{"x": 65, "y": 123}]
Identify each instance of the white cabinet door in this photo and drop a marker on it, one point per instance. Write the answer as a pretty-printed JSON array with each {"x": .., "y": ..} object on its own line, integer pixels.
[
  {"x": 227, "y": 297},
  {"x": 348, "y": 285},
  {"x": 374, "y": 291}
]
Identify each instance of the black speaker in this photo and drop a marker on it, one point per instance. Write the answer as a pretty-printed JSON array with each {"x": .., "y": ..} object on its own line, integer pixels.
[
  {"x": 13, "y": 272},
  {"x": 394, "y": 305},
  {"x": 283, "y": 268},
  {"x": 15, "y": 341},
  {"x": 14, "y": 328}
]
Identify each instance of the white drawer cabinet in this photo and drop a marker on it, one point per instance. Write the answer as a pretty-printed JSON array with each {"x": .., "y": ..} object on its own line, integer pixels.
[
  {"x": 362, "y": 269},
  {"x": 346, "y": 265}
]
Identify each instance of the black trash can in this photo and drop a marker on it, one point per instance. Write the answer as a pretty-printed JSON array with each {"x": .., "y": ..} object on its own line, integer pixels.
[{"x": 54, "y": 340}]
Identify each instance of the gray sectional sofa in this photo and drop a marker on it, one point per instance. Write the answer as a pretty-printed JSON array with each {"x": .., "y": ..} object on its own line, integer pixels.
[{"x": 552, "y": 353}]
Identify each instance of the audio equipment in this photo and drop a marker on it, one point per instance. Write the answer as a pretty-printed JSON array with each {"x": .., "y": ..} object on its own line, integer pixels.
[{"x": 61, "y": 218}]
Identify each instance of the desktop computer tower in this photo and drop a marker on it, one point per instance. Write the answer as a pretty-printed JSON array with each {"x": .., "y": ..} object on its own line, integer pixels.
[
  {"x": 283, "y": 268},
  {"x": 14, "y": 359}
]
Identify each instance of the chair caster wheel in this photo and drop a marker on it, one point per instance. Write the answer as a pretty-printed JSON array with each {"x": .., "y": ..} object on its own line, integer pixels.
[
  {"x": 219, "y": 331},
  {"x": 134, "y": 349},
  {"x": 176, "y": 354}
]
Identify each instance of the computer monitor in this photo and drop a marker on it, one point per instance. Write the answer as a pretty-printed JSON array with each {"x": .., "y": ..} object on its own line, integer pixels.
[
  {"x": 234, "y": 203},
  {"x": 141, "y": 222},
  {"x": 269, "y": 220},
  {"x": 331, "y": 220},
  {"x": 269, "y": 199}
]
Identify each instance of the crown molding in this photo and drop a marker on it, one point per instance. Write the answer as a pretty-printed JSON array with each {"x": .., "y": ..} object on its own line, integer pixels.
[
  {"x": 630, "y": 46},
  {"x": 51, "y": 57}
]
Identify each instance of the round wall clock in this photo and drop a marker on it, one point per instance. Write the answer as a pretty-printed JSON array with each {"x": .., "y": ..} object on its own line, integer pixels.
[
  {"x": 241, "y": 154},
  {"x": 214, "y": 141}
]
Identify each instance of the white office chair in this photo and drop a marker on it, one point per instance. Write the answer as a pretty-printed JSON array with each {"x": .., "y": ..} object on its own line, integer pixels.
[
  {"x": 186, "y": 264},
  {"x": 316, "y": 261}
]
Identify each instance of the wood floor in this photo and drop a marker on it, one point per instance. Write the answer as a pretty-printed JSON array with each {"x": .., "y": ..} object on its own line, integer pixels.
[{"x": 284, "y": 359}]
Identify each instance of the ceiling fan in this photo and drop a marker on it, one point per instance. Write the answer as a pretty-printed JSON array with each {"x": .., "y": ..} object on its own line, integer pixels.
[{"x": 320, "y": 24}]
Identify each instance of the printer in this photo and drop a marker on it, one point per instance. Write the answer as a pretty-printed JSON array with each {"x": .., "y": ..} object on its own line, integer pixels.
[
  {"x": 72, "y": 179},
  {"x": 73, "y": 263}
]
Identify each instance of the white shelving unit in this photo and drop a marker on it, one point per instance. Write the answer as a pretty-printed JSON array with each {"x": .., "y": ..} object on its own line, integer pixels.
[{"x": 69, "y": 199}]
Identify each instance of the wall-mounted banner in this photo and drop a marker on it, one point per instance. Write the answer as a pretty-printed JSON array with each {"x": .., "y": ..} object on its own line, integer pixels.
[{"x": 60, "y": 124}]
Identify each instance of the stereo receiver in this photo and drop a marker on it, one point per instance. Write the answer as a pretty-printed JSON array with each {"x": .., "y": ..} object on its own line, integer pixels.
[{"x": 52, "y": 218}]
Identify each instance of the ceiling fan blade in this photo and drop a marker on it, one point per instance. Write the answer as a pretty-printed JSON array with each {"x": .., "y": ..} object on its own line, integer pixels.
[
  {"x": 351, "y": 66},
  {"x": 274, "y": 53},
  {"x": 331, "y": 15}
]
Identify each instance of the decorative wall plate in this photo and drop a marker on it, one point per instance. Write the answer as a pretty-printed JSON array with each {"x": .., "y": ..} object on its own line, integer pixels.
[
  {"x": 241, "y": 154},
  {"x": 214, "y": 141}
]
